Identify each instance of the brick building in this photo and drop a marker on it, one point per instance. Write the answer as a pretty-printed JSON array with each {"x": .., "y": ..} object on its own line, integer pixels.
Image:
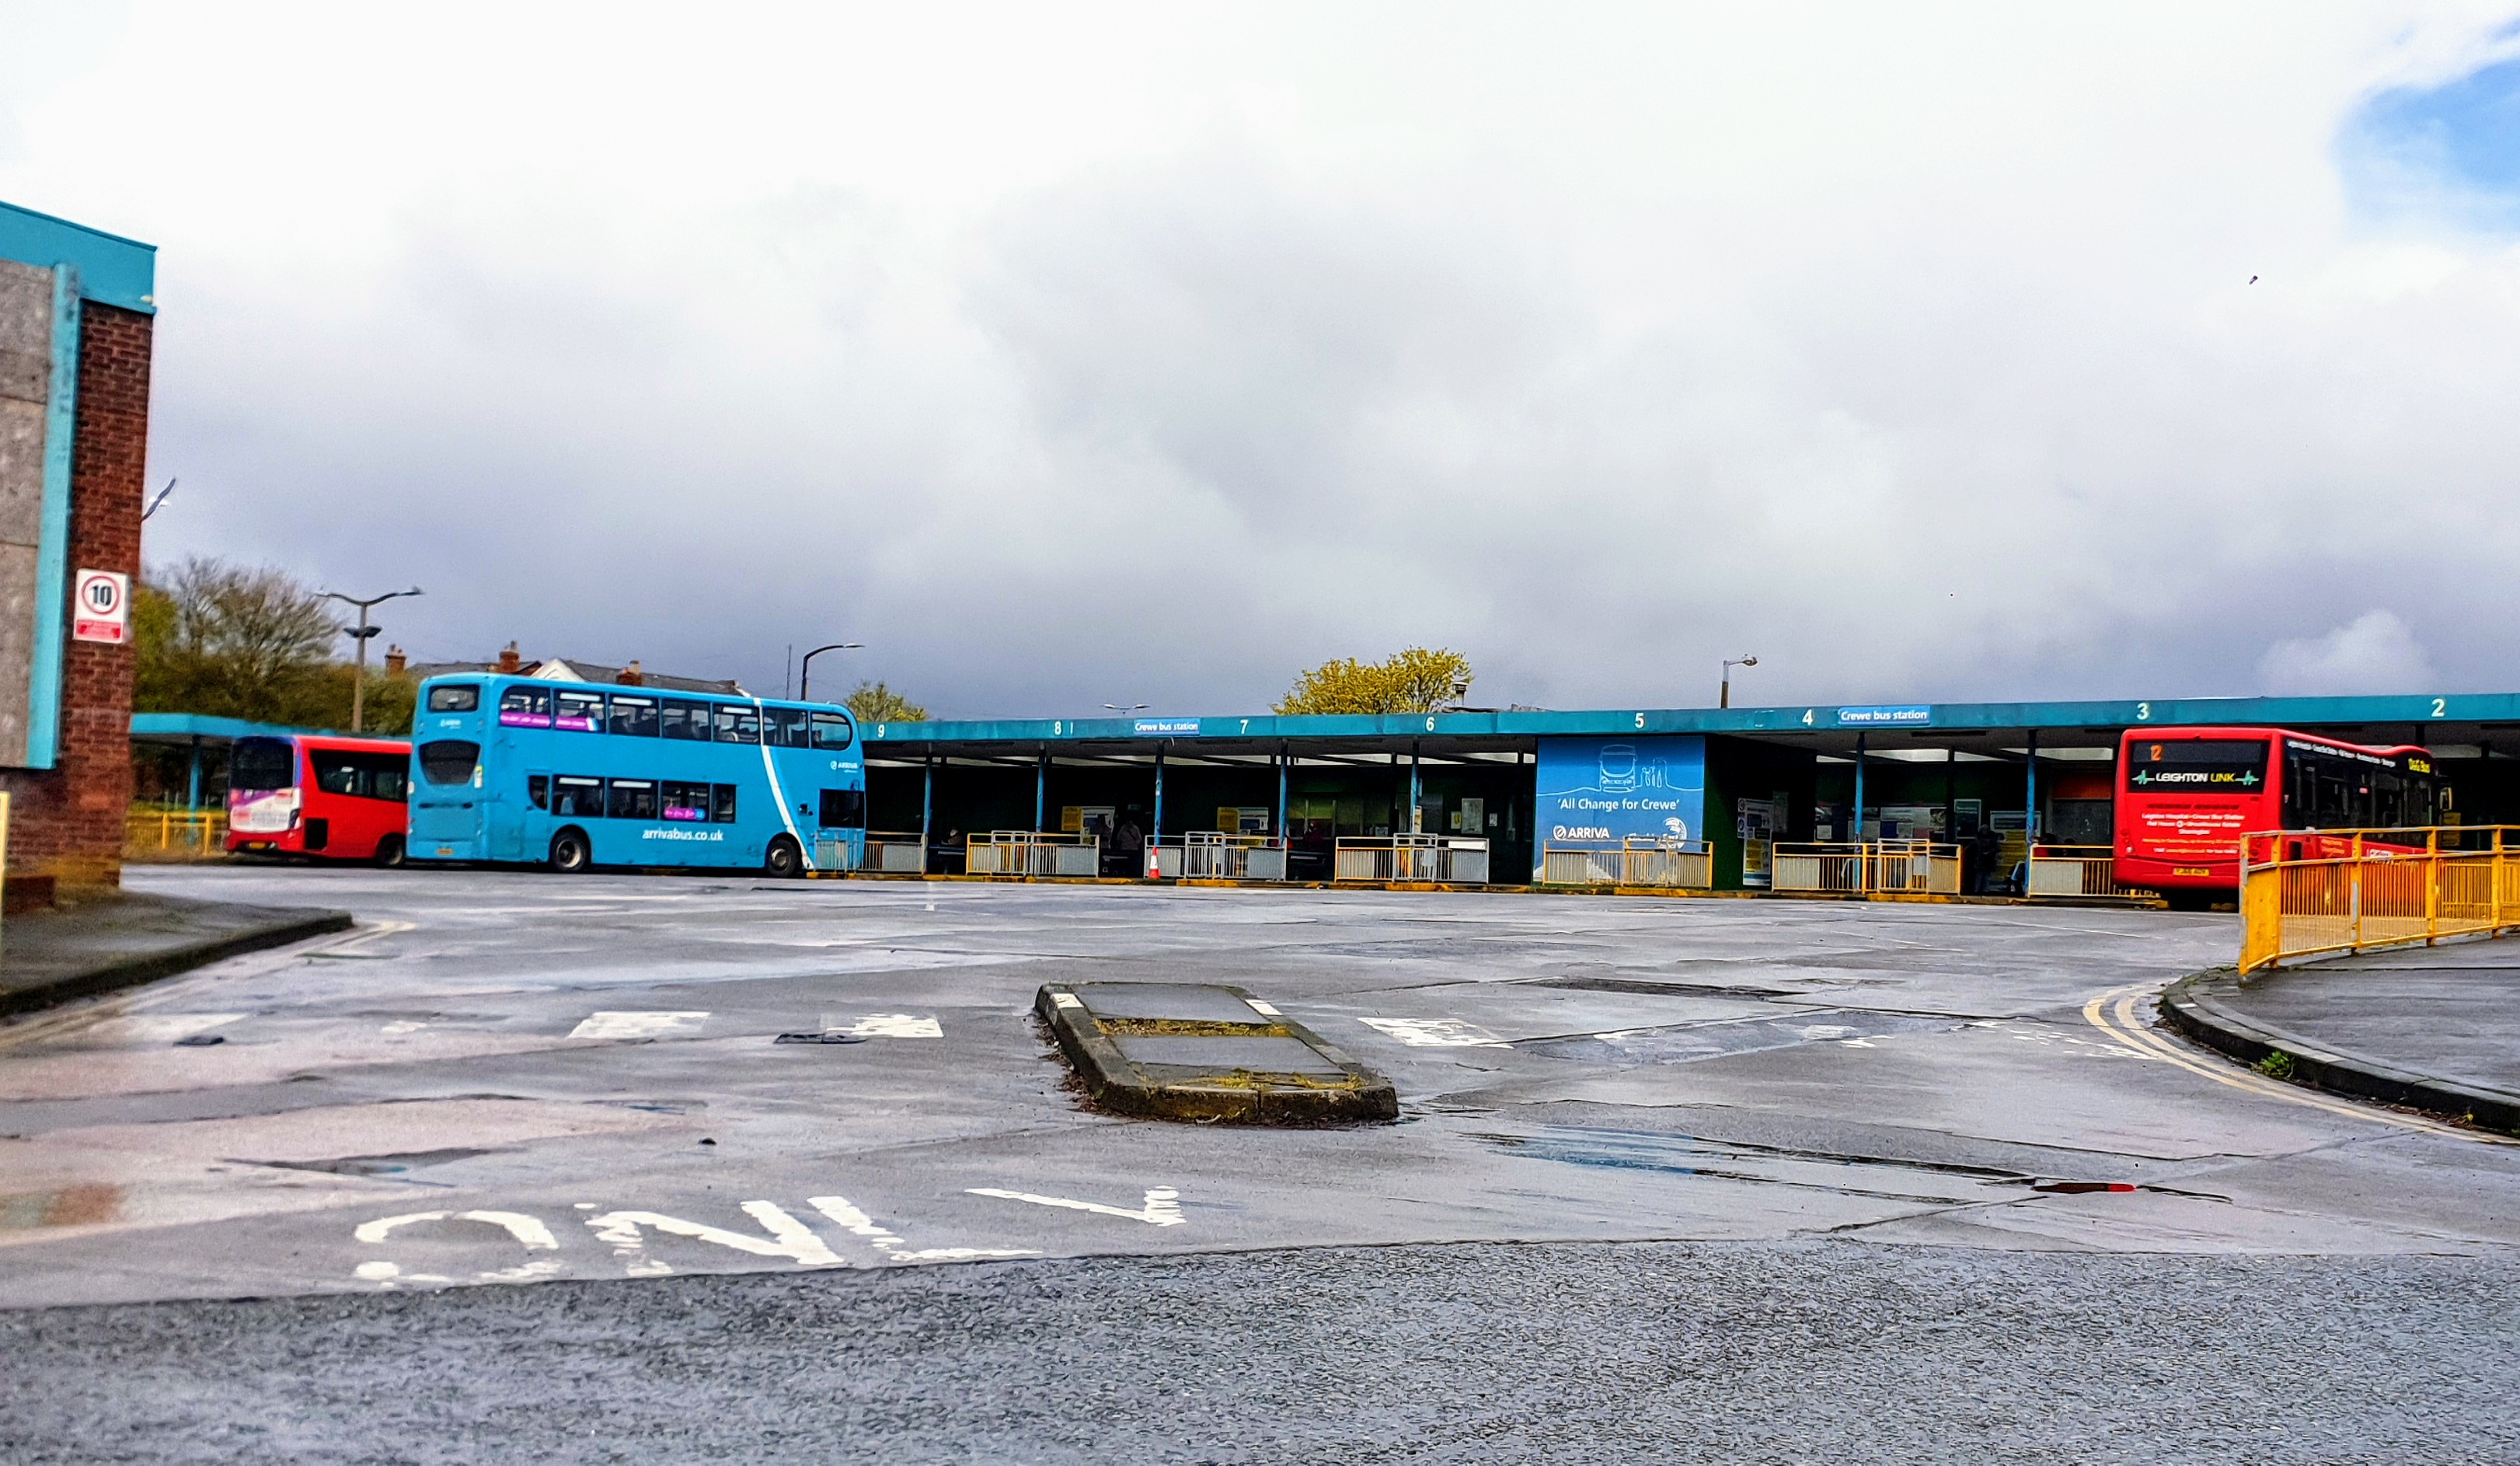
[{"x": 76, "y": 310}]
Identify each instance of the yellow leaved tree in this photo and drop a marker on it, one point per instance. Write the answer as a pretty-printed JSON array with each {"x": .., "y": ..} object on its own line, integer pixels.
[{"x": 1415, "y": 680}]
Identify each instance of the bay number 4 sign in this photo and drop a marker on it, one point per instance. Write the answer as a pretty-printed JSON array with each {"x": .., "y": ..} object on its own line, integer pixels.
[{"x": 101, "y": 607}]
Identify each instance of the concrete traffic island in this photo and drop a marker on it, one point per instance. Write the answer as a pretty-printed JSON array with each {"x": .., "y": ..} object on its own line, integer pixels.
[
  {"x": 109, "y": 939},
  {"x": 2433, "y": 1029},
  {"x": 1206, "y": 1052}
]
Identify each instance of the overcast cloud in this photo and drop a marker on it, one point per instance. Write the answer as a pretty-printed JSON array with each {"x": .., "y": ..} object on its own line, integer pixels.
[{"x": 1070, "y": 355}]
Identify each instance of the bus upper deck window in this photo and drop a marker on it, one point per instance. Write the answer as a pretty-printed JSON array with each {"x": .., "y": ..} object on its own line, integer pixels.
[
  {"x": 456, "y": 696},
  {"x": 582, "y": 712},
  {"x": 685, "y": 721},
  {"x": 832, "y": 732},
  {"x": 738, "y": 724},
  {"x": 526, "y": 707},
  {"x": 783, "y": 727},
  {"x": 635, "y": 716}
]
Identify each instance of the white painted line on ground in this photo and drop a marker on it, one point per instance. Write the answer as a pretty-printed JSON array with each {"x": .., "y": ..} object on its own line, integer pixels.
[
  {"x": 525, "y": 1229},
  {"x": 638, "y": 1024},
  {"x": 889, "y": 1026},
  {"x": 1434, "y": 1033},
  {"x": 1067, "y": 1000},
  {"x": 1163, "y": 1206},
  {"x": 1261, "y": 1008},
  {"x": 789, "y": 1237},
  {"x": 890, "y": 1243}
]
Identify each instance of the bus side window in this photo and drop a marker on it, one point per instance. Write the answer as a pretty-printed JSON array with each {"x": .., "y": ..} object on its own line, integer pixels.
[
  {"x": 526, "y": 706},
  {"x": 382, "y": 776},
  {"x": 783, "y": 727},
  {"x": 844, "y": 809},
  {"x": 582, "y": 711},
  {"x": 832, "y": 732},
  {"x": 686, "y": 801},
  {"x": 722, "y": 803},
  {"x": 581, "y": 798},
  {"x": 738, "y": 724},
  {"x": 685, "y": 721},
  {"x": 335, "y": 773},
  {"x": 632, "y": 798},
  {"x": 538, "y": 790},
  {"x": 633, "y": 717}
]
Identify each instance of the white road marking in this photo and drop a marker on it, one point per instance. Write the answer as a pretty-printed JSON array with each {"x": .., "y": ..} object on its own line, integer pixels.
[
  {"x": 1261, "y": 1008},
  {"x": 638, "y": 1024},
  {"x": 889, "y": 1026},
  {"x": 1163, "y": 1206},
  {"x": 788, "y": 1238},
  {"x": 525, "y": 1229},
  {"x": 1066, "y": 1000},
  {"x": 1434, "y": 1033},
  {"x": 890, "y": 1243}
]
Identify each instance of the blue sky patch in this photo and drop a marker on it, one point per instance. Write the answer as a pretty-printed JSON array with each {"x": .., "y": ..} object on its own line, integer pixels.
[{"x": 2447, "y": 154}]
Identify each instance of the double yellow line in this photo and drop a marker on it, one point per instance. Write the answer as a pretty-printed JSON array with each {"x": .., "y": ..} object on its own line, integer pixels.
[{"x": 2114, "y": 1013}]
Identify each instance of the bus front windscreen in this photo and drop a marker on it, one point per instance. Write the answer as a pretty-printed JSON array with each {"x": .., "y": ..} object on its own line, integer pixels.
[
  {"x": 259, "y": 764},
  {"x": 2197, "y": 765}
]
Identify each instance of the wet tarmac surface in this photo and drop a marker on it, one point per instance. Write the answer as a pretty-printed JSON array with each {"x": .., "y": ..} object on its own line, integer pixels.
[
  {"x": 516, "y": 1078},
  {"x": 2450, "y": 1012}
]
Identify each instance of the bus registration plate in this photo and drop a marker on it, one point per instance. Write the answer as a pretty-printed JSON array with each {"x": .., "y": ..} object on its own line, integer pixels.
[{"x": 2190, "y": 870}]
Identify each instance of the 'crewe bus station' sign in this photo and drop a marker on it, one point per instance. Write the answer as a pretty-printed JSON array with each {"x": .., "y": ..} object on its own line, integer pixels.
[{"x": 101, "y": 607}]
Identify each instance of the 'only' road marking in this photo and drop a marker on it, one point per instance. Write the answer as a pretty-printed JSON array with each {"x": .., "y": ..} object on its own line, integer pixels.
[{"x": 1163, "y": 1206}]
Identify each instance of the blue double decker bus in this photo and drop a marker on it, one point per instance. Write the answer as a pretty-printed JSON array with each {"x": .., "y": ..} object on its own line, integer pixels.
[{"x": 576, "y": 775}]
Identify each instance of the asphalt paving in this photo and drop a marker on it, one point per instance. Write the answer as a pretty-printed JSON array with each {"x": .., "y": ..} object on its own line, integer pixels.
[
  {"x": 1616, "y": 1115},
  {"x": 1564, "y": 1352}
]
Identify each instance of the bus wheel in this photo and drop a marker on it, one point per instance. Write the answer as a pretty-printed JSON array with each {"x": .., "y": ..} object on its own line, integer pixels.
[
  {"x": 570, "y": 854},
  {"x": 389, "y": 851},
  {"x": 786, "y": 859}
]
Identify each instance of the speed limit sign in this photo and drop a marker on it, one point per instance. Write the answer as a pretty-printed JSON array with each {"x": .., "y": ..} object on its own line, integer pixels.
[{"x": 101, "y": 607}]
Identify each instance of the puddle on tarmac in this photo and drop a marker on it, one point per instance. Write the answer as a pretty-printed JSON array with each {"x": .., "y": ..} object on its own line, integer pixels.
[
  {"x": 1684, "y": 1043},
  {"x": 1879, "y": 1178},
  {"x": 1654, "y": 988},
  {"x": 376, "y": 1165}
]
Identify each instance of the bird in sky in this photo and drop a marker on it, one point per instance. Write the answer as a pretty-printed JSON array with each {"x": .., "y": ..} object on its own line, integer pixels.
[{"x": 2253, "y": 279}]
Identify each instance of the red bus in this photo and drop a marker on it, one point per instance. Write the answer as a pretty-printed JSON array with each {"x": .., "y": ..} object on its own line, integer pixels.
[
  {"x": 2184, "y": 799},
  {"x": 335, "y": 799}
]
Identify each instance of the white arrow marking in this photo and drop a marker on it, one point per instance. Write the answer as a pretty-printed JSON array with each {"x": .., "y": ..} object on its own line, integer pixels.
[{"x": 1162, "y": 1207}]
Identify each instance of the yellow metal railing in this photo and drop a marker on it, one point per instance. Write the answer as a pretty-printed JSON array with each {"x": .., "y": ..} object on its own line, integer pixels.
[
  {"x": 2078, "y": 872},
  {"x": 2317, "y": 892},
  {"x": 1884, "y": 867},
  {"x": 171, "y": 834},
  {"x": 1673, "y": 865}
]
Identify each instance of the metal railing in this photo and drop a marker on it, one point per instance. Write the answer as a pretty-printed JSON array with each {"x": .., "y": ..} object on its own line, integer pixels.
[
  {"x": 171, "y": 834},
  {"x": 1034, "y": 852},
  {"x": 1681, "y": 865},
  {"x": 896, "y": 853},
  {"x": 2078, "y": 872},
  {"x": 2315, "y": 892},
  {"x": 1216, "y": 855},
  {"x": 1442, "y": 858},
  {"x": 1884, "y": 867}
]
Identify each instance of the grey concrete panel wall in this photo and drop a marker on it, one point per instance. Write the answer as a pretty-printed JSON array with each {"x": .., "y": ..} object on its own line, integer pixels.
[{"x": 26, "y": 386}]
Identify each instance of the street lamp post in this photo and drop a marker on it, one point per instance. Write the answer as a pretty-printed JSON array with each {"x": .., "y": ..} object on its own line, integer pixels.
[
  {"x": 1725, "y": 698},
  {"x": 805, "y": 669},
  {"x": 363, "y": 633}
]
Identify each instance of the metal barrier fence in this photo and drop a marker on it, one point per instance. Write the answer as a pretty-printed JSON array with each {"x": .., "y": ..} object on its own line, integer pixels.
[
  {"x": 1901, "y": 867},
  {"x": 2078, "y": 871},
  {"x": 1034, "y": 852},
  {"x": 174, "y": 834},
  {"x": 1217, "y": 856},
  {"x": 2311, "y": 894},
  {"x": 1442, "y": 858},
  {"x": 1675, "y": 865},
  {"x": 896, "y": 853}
]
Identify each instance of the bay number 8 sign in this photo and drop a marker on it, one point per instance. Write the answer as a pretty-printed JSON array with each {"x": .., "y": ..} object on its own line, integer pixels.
[{"x": 101, "y": 607}]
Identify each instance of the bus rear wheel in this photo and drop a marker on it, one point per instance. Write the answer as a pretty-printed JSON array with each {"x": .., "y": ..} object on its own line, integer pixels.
[
  {"x": 389, "y": 851},
  {"x": 570, "y": 853},
  {"x": 785, "y": 859}
]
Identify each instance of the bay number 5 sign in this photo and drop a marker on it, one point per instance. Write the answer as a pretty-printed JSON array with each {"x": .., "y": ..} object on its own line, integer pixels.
[{"x": 101, "y": 607}]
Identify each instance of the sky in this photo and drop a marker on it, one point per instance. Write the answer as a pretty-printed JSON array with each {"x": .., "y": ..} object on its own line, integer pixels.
[{"x": 1094, "y": 355}]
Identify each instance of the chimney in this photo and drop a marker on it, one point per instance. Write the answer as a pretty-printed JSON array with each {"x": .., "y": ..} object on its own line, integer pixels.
[
  {"x": 395, "y": 661},
  {"x": 509, "y": 661},
  {"x": 632, "y": 676}
]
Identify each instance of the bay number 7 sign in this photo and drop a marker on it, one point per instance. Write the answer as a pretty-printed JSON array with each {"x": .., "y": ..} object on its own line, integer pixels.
[{"x": 101, "y": 607}]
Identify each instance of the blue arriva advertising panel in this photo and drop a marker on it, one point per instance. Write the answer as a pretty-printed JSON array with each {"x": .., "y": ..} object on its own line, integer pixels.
[{"x": 1601, "y": 791}]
